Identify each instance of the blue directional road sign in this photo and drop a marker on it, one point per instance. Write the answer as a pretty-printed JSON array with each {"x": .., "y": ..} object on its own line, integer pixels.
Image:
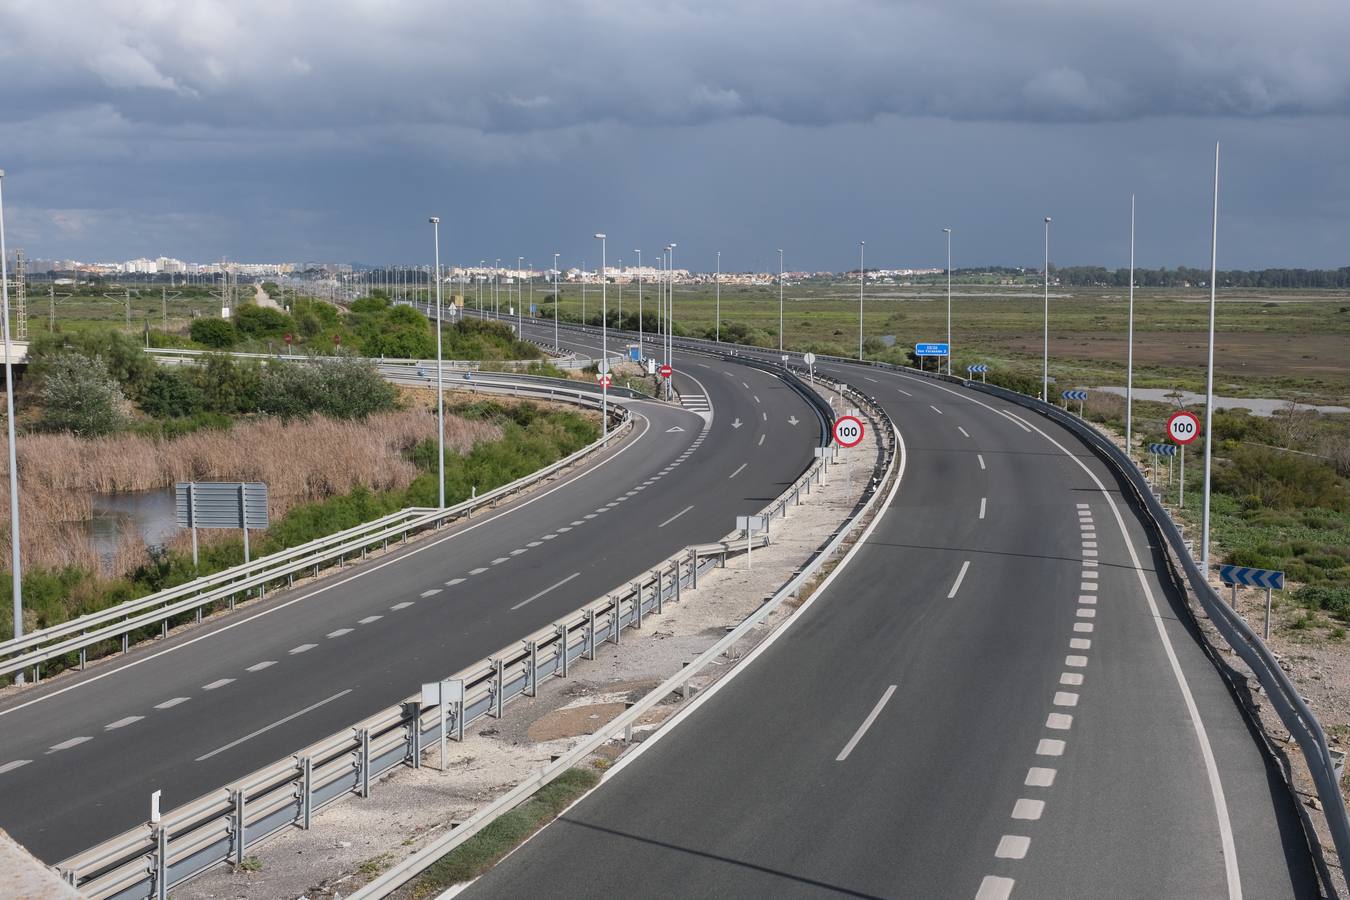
[
  {"x": 1259, "y": 578},
  {"x": 1074, "y": 395},
  {"x": 1163, "y": 449},
  {"x": 931, "y": 349},
  {"x": 978, "y": 368},
  {"x": 634, "y": 352}
]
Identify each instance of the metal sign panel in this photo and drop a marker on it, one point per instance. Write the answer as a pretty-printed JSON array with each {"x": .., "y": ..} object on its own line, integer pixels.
[
  {"x": 1260, "y": 578},
  {"x": 221, "y": 504},
  {"x": 1163, "y": 449},
  {"x": 1183, "y": 427},
  {"x": 931, "y": 349},
  {"x": 1074, "y": 395},
  {"x": 753, "y": 523},
  {"x": 978, "y": 368}
]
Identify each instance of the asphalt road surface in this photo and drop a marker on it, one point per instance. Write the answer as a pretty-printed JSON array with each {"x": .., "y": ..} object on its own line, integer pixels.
[{"x": 998, "y": 697}]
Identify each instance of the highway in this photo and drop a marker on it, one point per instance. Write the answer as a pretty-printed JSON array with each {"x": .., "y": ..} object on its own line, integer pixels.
[
  {"x": 80, "y": 754},
  {"x": 998, "y": 697}
]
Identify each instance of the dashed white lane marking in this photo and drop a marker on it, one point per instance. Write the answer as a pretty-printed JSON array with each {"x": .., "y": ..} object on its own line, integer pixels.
[
  {"x": 303, "y": 648},
  {"x": 404, "y": 605},
  {"x": 1080, "y": 644},
  {"x": 1030, "y": 810},
  {"x": 1090, "y": 563},
  {"x": 960, "y": 576},
  {"x": 219, "y": 683},
  {"x": 478, "y": 571},
  {"x": 258, "y": 667},
  {"x": 964, "y": 433},
  {"x": 501, "y": 559},
  {"x": 1089, "y": 599},
  {"x": 935, "y": 409},
  {"x": 1065, "y": 698},
  {"x": 1089, "y": 544},
  {"x": 1050, "y": 747},
  {"x": 564, "y": 529},
  {"x": 1086, "y": 613},
  {"x": 982, "y": 502},
  {"x": 431, "y": 593},
  {"x": 454, "y": 581},
  {"x": 1012, "y": 846},
  {"x": 368, "y": 619},
  {"x": 545, "y": 591},
  {"x": 1040, "y": 777},
  {"x": 574, "y": 524},
  {"x": 537, "y": 543},
  {"x": 1075, "y": 662},
  {"x": 1087, "y": 586},
  {"x": 122, "y": 723},
  {"x": 980, "y": 457},
  {"x": 1059, "y": 721},
  {"x": 676, "y": 516},
  {"x": 518, "y": 551},
  {"x": 1083, "y": 506},
  {"x": 1089, "y": 552},
  {"x": 873, "y": 380},
  {"x": 766, "y": 416},
  {"x": 66, "y": 745},
  {"x": 1091, "y": 575},
  {"x": 1084, "y": 627},
  {"x": 761, "y": 440},
  {"x": 905, "y": 392},
  {"x": 738, "y": 470},
  {"x": 867, "y": 723},
  {"x": 744, "y": 385},
  {"x": 589, "y": 516},
  {"x": 277, "y": 723},
  {"x": 170, "y": 704},
  {"x": 994, "y": 888},
  {"x": 1071, "y": 679},
  {"x": 11, "y": 766},
  {"x": 756, "y": 398}
]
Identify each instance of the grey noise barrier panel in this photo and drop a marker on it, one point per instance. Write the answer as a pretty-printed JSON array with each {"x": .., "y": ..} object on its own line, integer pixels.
[{"x": 220, "y": 826}]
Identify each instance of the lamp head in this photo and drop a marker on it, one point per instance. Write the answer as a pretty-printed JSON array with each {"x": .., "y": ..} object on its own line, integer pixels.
[
  {"x": 435, "y": 220},
  {"x": 600, "y": 237},
  {"x": 1047, "y": 220}
]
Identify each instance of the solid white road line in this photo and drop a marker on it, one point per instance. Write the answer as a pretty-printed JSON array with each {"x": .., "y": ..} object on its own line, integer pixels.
[
  {"x": 277, "y": 723},
  {"x": 867, "y": 723},
  {"x": 738, "y": 470},
  {"x": 960, "y": 576},
  {"x": 11, "y": 766},
  {"x": 546, "y": 590},
  {"x": 676, "y": 516}
]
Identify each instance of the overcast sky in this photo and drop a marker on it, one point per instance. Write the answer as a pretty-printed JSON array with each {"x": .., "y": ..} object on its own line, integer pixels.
[{"x": 263, "y": 130}]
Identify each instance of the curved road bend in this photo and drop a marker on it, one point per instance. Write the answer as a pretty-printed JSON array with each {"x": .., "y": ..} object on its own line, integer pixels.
[
  {"x": 998, "y": 697},
  {"x": 80, "y": 755}
]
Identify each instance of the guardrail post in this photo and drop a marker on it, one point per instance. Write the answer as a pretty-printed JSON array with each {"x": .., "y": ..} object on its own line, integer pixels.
[
  {"x": 675, "y": 574},
  {"x": 532, "y": 672},
  {"x": 126, "y": 637},
  {"x": 83, "y": 657},
  {"x": 693, "y": 568},
  {"x": 560, "y": 668},
  {"x": 498, "y": 676},
  {"x": 237, "y": 823},
  {"x": 615, "y": 621},
  {"x": 637, "y": 602},
  {"x": 589, "y": 650},
  {"x": 364, "y": 762},
  {"x": 414, "y": 733},
  {"x": 306, "y": 791},
  {"x": 161, "y": 870}
]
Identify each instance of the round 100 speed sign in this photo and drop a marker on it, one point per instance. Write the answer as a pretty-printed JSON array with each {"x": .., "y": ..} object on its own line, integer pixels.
[
  {"x": 848, "y": 431},
  {"x": 1183, "y": 427}
]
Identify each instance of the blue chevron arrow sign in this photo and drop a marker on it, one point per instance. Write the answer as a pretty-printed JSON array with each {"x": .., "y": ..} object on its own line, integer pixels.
[
  {"x": 1163, "y": 449},
  {"x": 1074, "y": 395},
  {"x": 978, "y": 368},
  {"x": 1259, "y": 578}
]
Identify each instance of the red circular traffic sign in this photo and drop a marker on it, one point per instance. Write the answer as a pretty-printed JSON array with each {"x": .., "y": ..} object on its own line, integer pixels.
[
  {"x": 848, "y": 431},
  {"x": 604, "y": 380},
  {"x": 666, "y": 371},
  {"x": 287, "y": 338},
  {"x": 1183, "y": 427}
]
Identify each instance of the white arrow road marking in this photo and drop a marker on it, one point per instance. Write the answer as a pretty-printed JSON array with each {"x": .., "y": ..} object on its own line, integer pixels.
[
  {"x": 277, "y": 723},
  {"x": 737, "y": 423},
  {"x": 546, "y": 590},
  {"x": 793, "y": 420},
  {"x": 673, "y": 430}
]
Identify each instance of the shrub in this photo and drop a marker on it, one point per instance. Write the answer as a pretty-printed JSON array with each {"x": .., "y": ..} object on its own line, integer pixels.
[
  {"x": 1279, "y": 480},
  {"x": 171, "y": 393},
  {"x": 227, "y": 386},
  {"x": 79, "y": 396},
  {"x": 343, "y": 388},
  {"x": 261, "y": 321},
  {"x": 122, "y": 358},
  {"x": 217, "y": 333},
  {"x": 1335, "y": 600}
]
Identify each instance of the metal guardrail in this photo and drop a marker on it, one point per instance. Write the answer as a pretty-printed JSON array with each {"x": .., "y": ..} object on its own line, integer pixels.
[
  {"x": 117, "y": 625},
  {"x": 180, "y": 354},
  {"x": 146, "y": 861}
]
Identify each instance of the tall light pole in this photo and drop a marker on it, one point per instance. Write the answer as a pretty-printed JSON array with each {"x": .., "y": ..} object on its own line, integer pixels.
[
  {"x": 604, "y": 338},
  {"x": 948, "y": 232},
  {"x": 520, "y": 297},
  {"x": 1045, "y": 345},
  {"x": 440, "y": 390},
  {"x": 780, "y": 299},
  {"x": 1129, "y": 342},
  {"x": 16, "y": 572},
  {"x": 497, "y": 289},
  {"x": 557, "y": 302},
  {"x": 862, "y": 281},
  {"x": 670, "y": 316},
  {"x": 583, "y": 292},
  {"x": 642, "y": 351},
  {"x": 482, "y": 264},
  {"x": 717, "y": 326},
  {"x": 1209, "y": 378}
]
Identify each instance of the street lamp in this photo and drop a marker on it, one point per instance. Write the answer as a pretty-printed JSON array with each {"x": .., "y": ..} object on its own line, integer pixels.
[
  {"x": 604, "y": 338},
  {"x": 1129, "y": 341},
  {"x": 557, "y": 302},
  {"x": 520, "y": 298},
  {"x": 497, "y": 289},
  {"x": 949, "y": 300},
  {"x": 670, "y": 316},
  {"x": 642, "y": 351},
  {"x": 717, "y": 326},
  {"x": 482, "y": 264},
  {"x": 440, "y": 391},
  {"x": 780, "y": 299},
  {"x": 1045, "y": 346},
  {"x": 862, "y": 282},
  {"x": 16, "y": 572},
  {"x": 1209, "y": 378}
]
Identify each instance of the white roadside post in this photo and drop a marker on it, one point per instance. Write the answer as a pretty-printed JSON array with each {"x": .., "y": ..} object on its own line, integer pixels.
[
  {"x": 862, "y": 281},
  {"x": 780, "y": 300}
]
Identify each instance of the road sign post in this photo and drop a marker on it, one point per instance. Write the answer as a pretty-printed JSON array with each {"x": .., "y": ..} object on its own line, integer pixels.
[
  {"x": 1269, "y": 579},
  {"x": 1080, "y": 396},
  {"x": 751, "y": 524},
  {"x": 810, "y": 360},
  {"x": 848, "y": 431},
  {"x": 1183, "y": 427},
  {"x": 978, "y": 369}
]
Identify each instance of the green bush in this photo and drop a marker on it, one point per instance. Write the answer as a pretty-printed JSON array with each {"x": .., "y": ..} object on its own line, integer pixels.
[
  {"x": 171, "y": 392},
  {"x": 261, "y": 321},
  {"x": 1335, "y": 600},
  {"x": 219, "y": 334},
  {"x": 123, "y": 359},
  {"x": 79, "y": 396},
  {"x": 227, "y": 386},
  {"x": 1279, "y": 480},
  {"x": 343, "y": 388}
]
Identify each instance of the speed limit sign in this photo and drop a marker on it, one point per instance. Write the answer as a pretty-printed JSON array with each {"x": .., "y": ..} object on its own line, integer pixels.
[
  {"x": 1183, "y": 427},
  {"x": 848, "y": 431}
]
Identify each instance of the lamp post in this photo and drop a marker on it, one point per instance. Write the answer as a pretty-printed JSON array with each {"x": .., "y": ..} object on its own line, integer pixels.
[
  {"x": 440, "y": 391},
  {"x": 862, "y": 281},
  {"x": 583, "y": 293},
  {"x": 642, "y": 351},
  {"x": 16, "y": 572},
  {"x": 670, "y": 316},
  {"x": 482, "y": 264},
  {"x": 497, "y": 289},
  {"x": 780, "y": 300},
  {"x": 520, "y": 297},
  {"x": 1045, "y": 345},
  {"x": 717, "y": 326},
  {"x": 1129, "y": 342},
  {"x": 1209, "y": 378},
  {"x": 557, "y": 302},
  {"x": 604, "y": 339},
  {"x": 948, "y": 232}
]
